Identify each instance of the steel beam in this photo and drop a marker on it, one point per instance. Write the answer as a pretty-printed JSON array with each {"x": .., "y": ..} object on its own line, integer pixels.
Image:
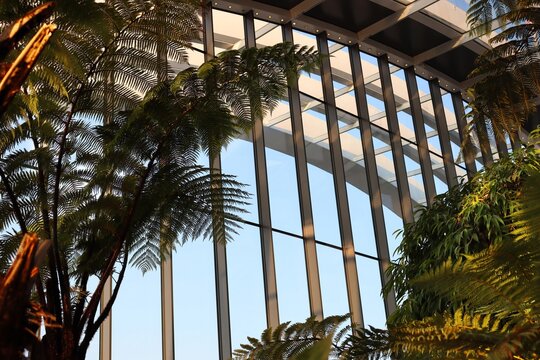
[
  {"x": 442, "y": 130},
  {"x": 220, "y": 249},
  {"x": 372, "y": 176},
  {"x": 420, "y": 133},
  {"x": 105, "y": 330},
  {"x": 167, "y": 308},
  {"x": 340, "y": 184},
  {"x": 395, "y": 140},
  {"x": 306, "y": 213},
  {"x": 263, "y": 200},
  {"x": 457, "y": 101}
]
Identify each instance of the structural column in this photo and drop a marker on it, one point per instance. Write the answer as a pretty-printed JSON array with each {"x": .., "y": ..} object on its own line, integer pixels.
[
  {"x": 306, "y": 213},
  {"x": 340, "y": 184},
  {"x": 485, "y": 146},
  {"x": 501, "y": 147},
  {"x": 263, "y": 199},
  {"x": 442, "y": 130},
  {"x": 395, "y": 140},
  {"x": 420, "y": 133},
  {"x": 167, "y": 308},
  {"x": 220, "y": 249},
  {"x": 457, "y": 101},
  {"x": 166, "y": 268},
  {"x": 372, "y": 176},
  {"x": 105, "y": 330}
]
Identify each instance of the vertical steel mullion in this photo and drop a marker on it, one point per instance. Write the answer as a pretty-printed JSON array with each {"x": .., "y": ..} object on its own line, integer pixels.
[
  {"x": 105, "y": 330},
  {"x": 395, "y": 140},
  {"x": 220, "y": 249},
  {"x": 420, "y": 133},
  {"x": 340, "y": 184},
  {"x": 485, "y": 146},
  {"x": 501, "y": 147},
  {"x": 308, "y": 231},
  {"x": 442, "y": 130},
  {"x": 372, "y": 176},
  {"x": 263, "y": 197},
  {"x": 462, "y": 125},
  {"x": 222, "y": 284},
  {"x": 167, "y": 308},
  {"x": 166, "y": 264}
]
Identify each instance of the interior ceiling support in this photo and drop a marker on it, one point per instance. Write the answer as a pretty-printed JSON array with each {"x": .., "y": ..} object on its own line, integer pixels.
[{"x": 393, "y": 19}]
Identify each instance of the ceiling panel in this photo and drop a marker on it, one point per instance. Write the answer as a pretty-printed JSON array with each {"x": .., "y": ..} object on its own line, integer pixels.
[
  {"x": 410, "y": 37},
  {"x": 351, "y": 15},
  {"x": 284, "y": 4},
  {"x": 457, "y": 63}
]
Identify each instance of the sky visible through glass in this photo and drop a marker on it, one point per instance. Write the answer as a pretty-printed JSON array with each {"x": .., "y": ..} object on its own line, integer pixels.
[{"x": 136, "y": 314}]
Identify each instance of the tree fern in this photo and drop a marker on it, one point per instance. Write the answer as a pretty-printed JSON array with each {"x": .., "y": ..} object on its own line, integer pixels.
[
  {"x": 507, "y": 77},
  {"x": 98, "y": 155}
]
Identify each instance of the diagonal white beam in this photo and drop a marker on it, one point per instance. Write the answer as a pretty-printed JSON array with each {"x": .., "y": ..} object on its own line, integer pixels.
[
  {"x": 303, "y": 7},
  {"x": 393, "y": 19}
]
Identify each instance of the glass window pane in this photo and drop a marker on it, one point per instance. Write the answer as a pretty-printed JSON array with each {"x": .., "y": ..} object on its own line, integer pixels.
[
  {"x": 309, "y": 84},
  {"x": 388, "y": 184},
  {"x": 267, "y": 34},
  {"x": 412, "y": 164},
  {"x": 341, "y": 69},
  {"x": 93, "y": 349},
  {"x": 291, "y": 277},
  {"x": 369, "y": 278},
  {"x": 332, "y": 275},
  {"x": 281, "y": 166},
  {"x": 246, "y": 285},
  {"x": 228, "y": 30},
  {"x": 358, "y": 193},
  {"x": 136, "y": 325},
  {"x": 237, "y": 159},
  {"x": 195, "y": 332},
  {"x": 321, "y": 181}
]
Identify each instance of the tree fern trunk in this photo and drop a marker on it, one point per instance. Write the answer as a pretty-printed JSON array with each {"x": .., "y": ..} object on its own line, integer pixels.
[{"x": 15, "y": 290}]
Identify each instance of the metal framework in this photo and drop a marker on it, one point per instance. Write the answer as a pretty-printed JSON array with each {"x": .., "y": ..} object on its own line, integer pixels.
[{"x": 359, "y": 92}]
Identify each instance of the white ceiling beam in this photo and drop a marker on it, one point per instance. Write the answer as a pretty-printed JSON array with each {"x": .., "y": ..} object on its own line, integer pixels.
[
  {"x": 393, "y": 19},
  {"x": 303, "y": 7}
]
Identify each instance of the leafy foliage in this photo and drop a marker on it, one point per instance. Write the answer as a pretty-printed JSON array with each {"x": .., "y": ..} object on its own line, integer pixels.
[
  {"x": 465, "y": 220},
  {"x": 468, "y": 279},
  {"x": 312, "y": 339},
  {"x": 99, "y": 151},
  {"x": 507, "y": 77}
]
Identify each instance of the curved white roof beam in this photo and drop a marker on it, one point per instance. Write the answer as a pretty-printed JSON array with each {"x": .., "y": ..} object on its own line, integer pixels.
[{"x": 278, "y": 132}]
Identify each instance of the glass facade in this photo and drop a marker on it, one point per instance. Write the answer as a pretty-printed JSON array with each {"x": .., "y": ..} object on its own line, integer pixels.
[{"x": 343, "y": 164}]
